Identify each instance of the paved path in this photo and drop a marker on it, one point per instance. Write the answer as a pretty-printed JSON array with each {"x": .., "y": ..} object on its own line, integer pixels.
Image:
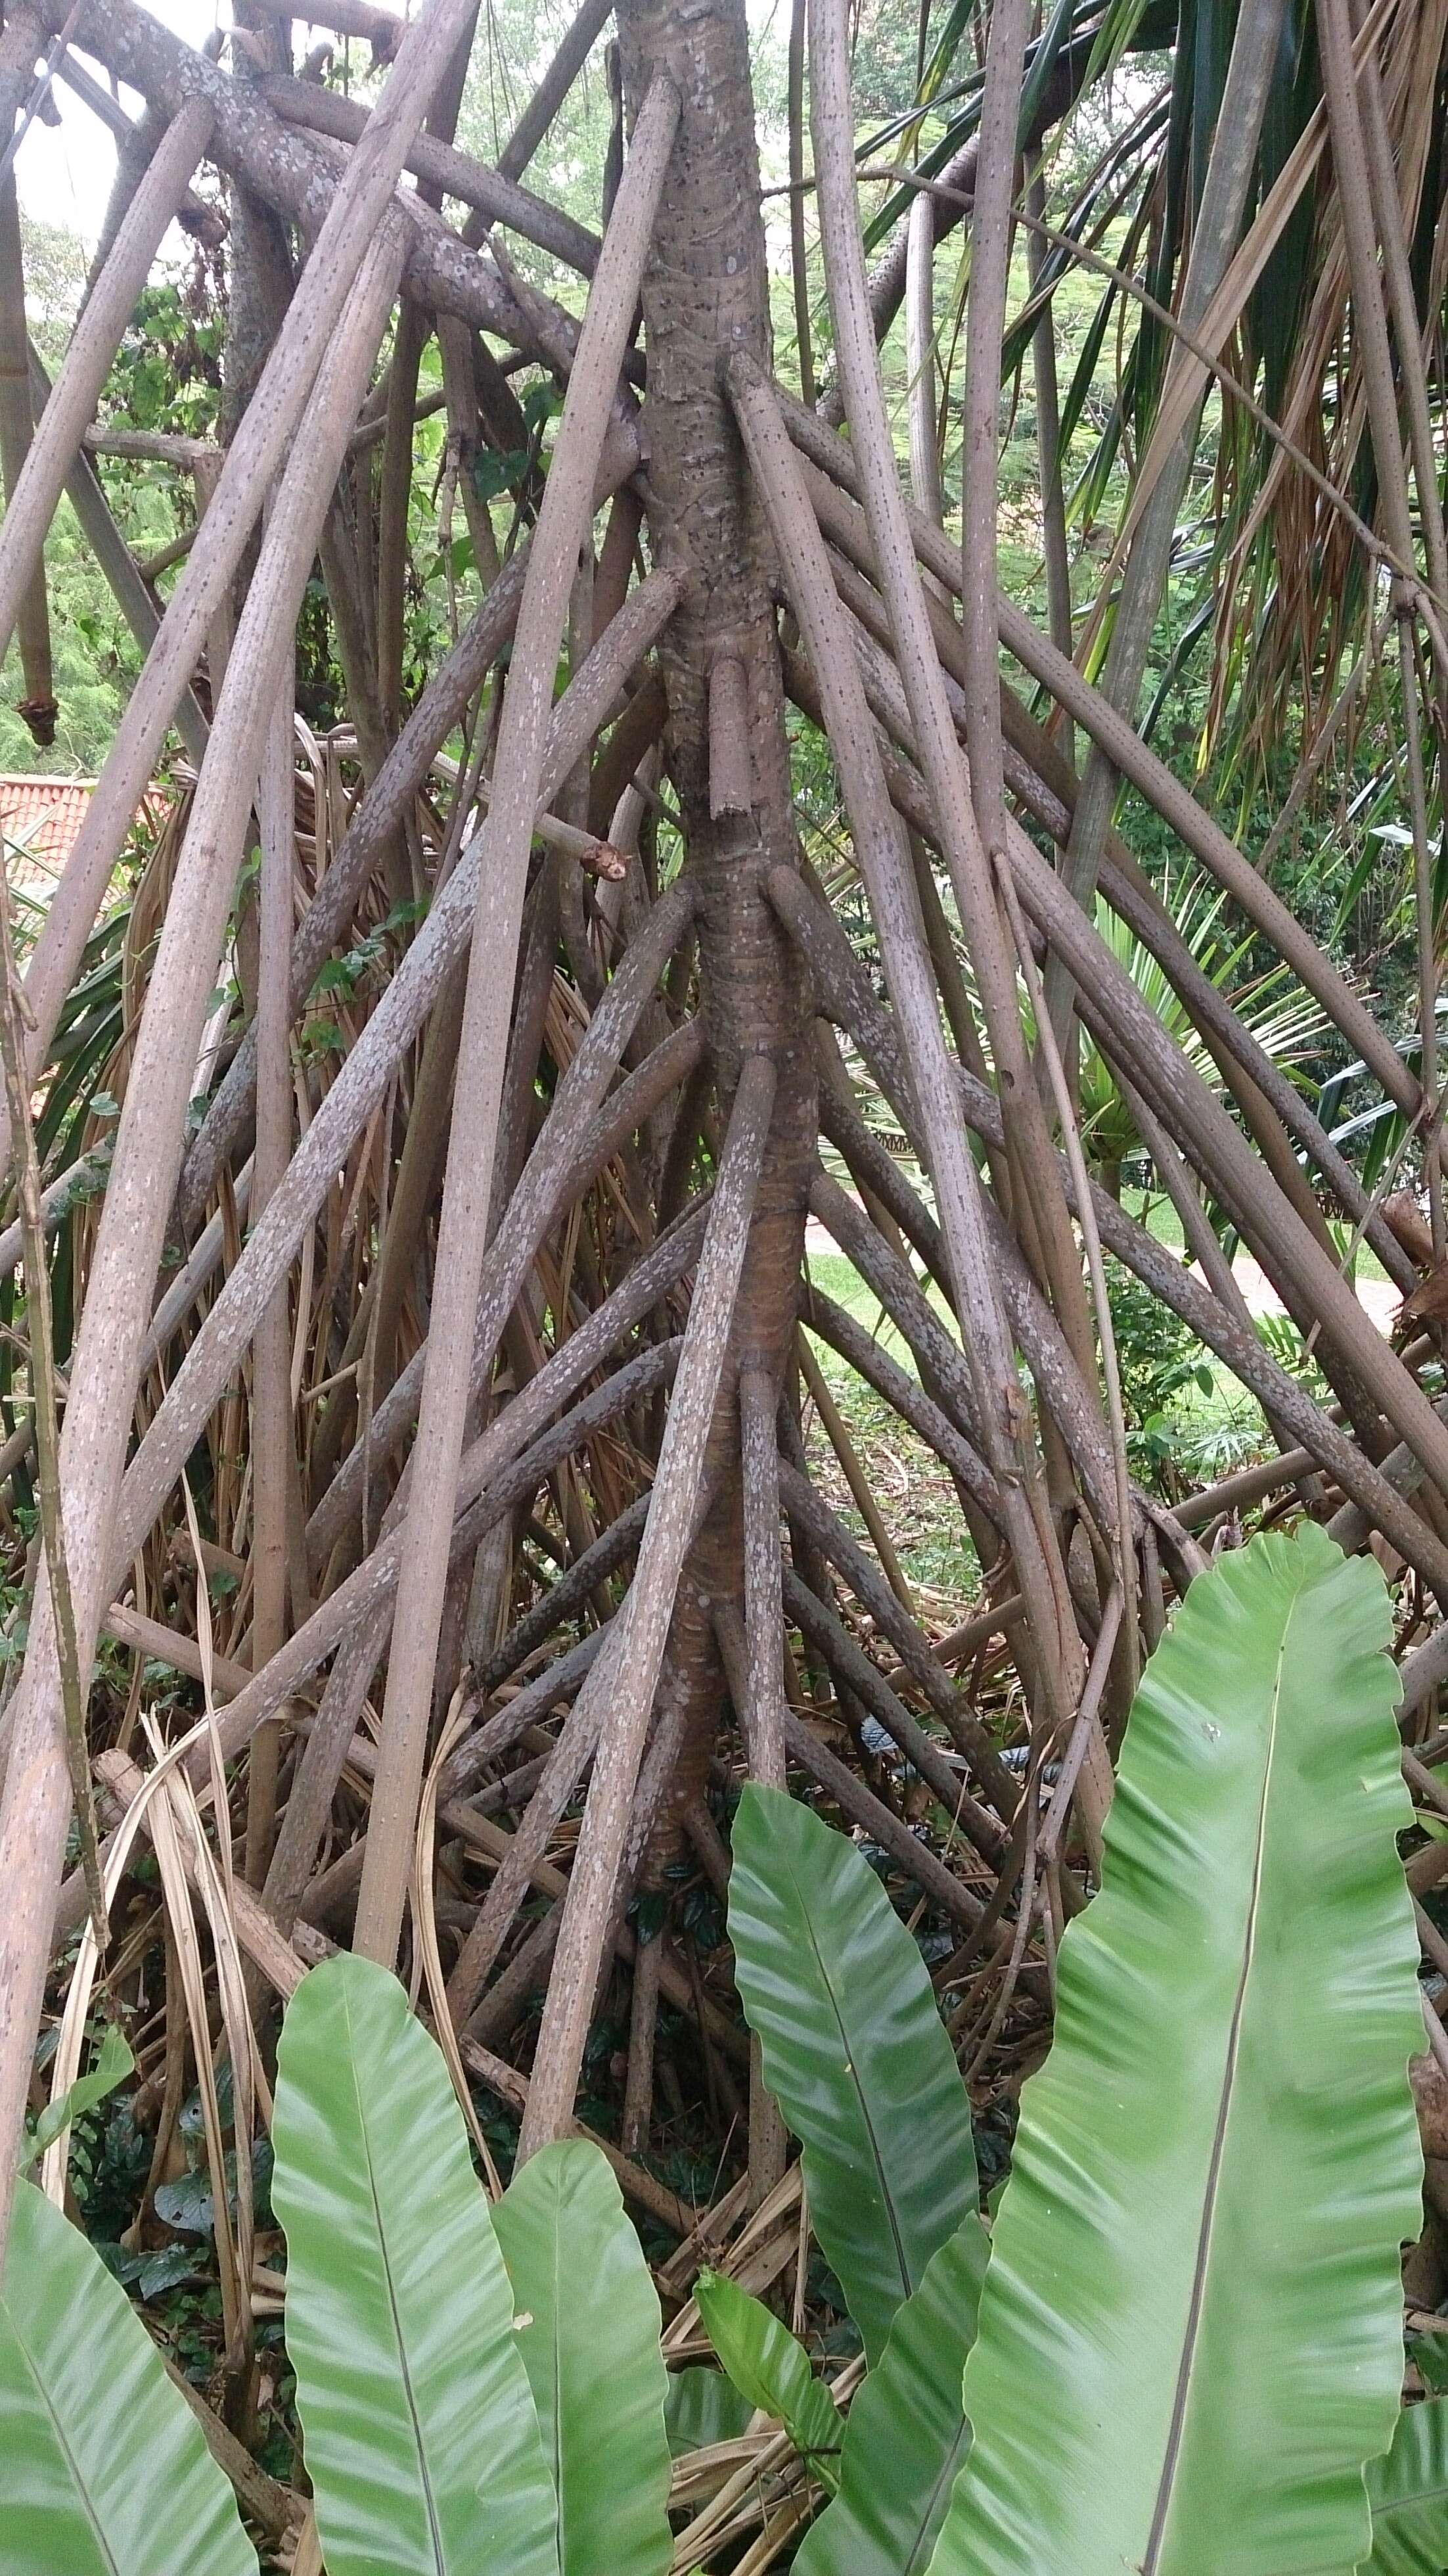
[{"x": 1377, "y": 1297}]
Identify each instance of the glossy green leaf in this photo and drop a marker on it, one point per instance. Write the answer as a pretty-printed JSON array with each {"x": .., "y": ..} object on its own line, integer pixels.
[
  {"x": 420, "y": 2430},
  {"x": 114, "y": 2062},
  {"x": 770, "y": 2367},
  {"x": 587, "y": 2318},
  {"x": 103, "y": 2471},
  {"x": 1408, "y": 2495},
  {"x": 1190, "y": 2334},
  {"x": 1428, "y": 2351},
  {"x": 703, "y": 2407},
  {"x": 854, "y": 2052},
  {"x": 906, "y": 2434}
]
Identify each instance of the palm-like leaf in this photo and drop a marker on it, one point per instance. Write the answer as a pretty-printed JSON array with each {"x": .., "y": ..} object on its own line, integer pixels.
[
  {"x": 103, "y": 2471},
  {"x": 1278, "y": 574},
  {"x": 421, "y": 2434},
  {"x": 854, "y": 2052},
  {"x": 587, "y": 2319},
  {"x": 1190, "y": 2334},
  {"x": 1285, "y": 1022}
]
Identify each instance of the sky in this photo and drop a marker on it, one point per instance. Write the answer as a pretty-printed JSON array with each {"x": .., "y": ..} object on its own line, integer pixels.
[{"x": 63, "y": 172}]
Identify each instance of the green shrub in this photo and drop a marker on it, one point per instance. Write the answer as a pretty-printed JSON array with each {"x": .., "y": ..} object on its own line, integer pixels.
[{"x": 1179, "y": 2348}]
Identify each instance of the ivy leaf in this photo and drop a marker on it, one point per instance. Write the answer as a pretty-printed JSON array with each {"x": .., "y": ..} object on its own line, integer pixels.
[
  {"x": 187, "y": 2203},
  {"x": 495, "y": 473}
]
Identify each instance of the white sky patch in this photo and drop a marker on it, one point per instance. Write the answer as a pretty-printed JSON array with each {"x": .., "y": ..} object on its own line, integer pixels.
[{"x": 64, "y": 171}]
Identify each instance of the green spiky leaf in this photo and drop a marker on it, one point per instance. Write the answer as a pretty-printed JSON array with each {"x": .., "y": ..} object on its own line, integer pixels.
[
  {"x": 1190, "y": 2332},
  {"x": 853, "y": 2050},
  {"x": 103, "y": 2471},
  {"x": 421, "y": 2434}
]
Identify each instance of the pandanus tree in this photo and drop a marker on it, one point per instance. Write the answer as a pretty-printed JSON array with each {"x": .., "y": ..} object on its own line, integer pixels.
[{"x": 504, "y": 1251}]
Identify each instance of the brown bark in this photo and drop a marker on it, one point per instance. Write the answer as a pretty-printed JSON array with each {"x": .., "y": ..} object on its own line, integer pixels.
[
  {"x": 706, "y": 292},
  {"x": 619, "y": 1694},
  {"x": 103, "y": 1380},
  {"x": 527, "y": 1325},
  {"x": 482, "y": 1049},
  {"x": 38, "y": 707}
]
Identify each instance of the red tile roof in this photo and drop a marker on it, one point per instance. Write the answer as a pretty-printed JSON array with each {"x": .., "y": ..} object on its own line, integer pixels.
[
  {"x": 43, "y": 815},
  {"x": 41, "y": 819}
]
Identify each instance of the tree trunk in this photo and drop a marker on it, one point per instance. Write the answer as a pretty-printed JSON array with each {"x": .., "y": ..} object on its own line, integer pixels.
[
  {"x": 573, "y": 1335},
  {"x": 705, "y": 296}
]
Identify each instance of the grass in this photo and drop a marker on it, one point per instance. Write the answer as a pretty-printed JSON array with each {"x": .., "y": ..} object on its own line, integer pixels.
[
  {"x": 915, "y": 1495},
  {"x": 1164, "y": 1226},
  {"x": 1206, "y": 1434},
  {"x": 839, "y": 1279}
]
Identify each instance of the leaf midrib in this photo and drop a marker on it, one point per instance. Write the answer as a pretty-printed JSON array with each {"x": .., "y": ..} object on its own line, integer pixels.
[
  {"x": 886, "y": 2196},
  {"x": 1166, "y": 2487},
  {"x": 434, "y": 2531},
  {"x": 63, "y": 2446},
  {"x": 946, "y": 2477},
  {"x": 1394, "y": 2506},
  {"x": 556, "y": 2250}
]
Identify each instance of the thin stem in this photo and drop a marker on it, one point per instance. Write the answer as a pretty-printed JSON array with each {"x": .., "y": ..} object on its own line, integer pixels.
[
  {"x": 763, "y": 1716},
  {"x": 798, "y": 248},
  {"x": 843, "y": 1446},
  {"x": 487, "y": 1009},
  {"x": 1048, "y": 446},
  {"x": 920, "y": 359},
  {"x": 831, "y": 457},
  {"x": 885, "y": 865},
  {"x": 1086, "y": 1219},
  {"x": 1425, "y": 921},
  {"x": 1032, "y": 1165},
  {"x": 360, "y": 1086},
  {"x": 273, "y": 1456},
  {"x": 990, "y": 254},
  {"x": 47, "y": 1435}
]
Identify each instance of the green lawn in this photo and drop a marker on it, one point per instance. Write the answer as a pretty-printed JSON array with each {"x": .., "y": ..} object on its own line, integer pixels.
[
  {"x": 839, "y": 1279},
  {"x": 1212, "y": 1432},
  {"x": 1164, "y": 1225}
]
